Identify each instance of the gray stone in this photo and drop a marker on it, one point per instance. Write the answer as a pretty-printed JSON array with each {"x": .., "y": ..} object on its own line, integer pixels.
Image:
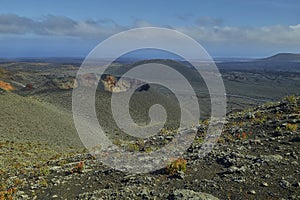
[
  {"x": 22, "y": 195},
  {"x": 294, "y": 163},
  {"x": 297, "y": 184},
  {"x": 284, "y": 184},
  {"x": 252, "y": 192},
  {"x": 184, "y": 194},
  {"x": 264, "y": 184},
  {"x": 239, "y": 180},
  {"x": 272, "y": 158},
  {"x": 250, "y": 115},
  {"x": 234, "y": 169}
]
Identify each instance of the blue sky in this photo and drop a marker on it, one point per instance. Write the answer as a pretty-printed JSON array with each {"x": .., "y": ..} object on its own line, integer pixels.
[{"x": 226, "y": 28}]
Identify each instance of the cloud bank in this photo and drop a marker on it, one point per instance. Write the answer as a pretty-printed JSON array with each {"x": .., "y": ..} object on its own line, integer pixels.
[
  {"x": 205, "y": 29},
  {"x": 277, "y": 35},
  {"x": 57, "y": 26}
]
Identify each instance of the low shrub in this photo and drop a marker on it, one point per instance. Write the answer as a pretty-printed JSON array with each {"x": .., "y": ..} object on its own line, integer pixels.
[
  {"x": 175, "y": 166},
  {"x": 78, "y": 168},
  {"x": 133, "y": 147},
  {"x": 8, "y": 194},
  {"x": 290, "y": 99},
  {"x": 291, "y": 127}
]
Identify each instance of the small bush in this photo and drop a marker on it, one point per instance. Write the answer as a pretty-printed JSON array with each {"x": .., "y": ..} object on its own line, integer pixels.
[
  {"x": 8, "y": 194},
  {"x": 206, "y": 122},
  {"x": 227, "y": 137},
  {"x": 117, "y": 142},
  {"x": 291, "y": 127},
  {"x": 178, "y": 165},
  {"x": 278, "y": 129},
  {"x": 260, "y": 120},
  {"x": 44, "y": 171},
  {"x": 133, "y": 147},
  {"x": 62, "y": 162},
  {"x": 221, "y": 140},
  {"x": 149, "y": 149},
  {"x": 290, "y": 99},
  {"x": 258, "y": 114},
  {"x": 244, "y": 135},
  {"x": 43, "y": 183},
  {"x": 199, "y": 140},
  {"x": 78, "y": 168},
  {"x": 18, "y": 182}
]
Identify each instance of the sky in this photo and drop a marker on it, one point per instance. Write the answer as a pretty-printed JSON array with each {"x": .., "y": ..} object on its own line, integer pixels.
[{"x": 225, "y": 28}]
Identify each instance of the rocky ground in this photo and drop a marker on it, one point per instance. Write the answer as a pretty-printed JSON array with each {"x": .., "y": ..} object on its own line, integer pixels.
[
  {"x": 257, "y": 157},
  {"x": 41, "y": 156}
]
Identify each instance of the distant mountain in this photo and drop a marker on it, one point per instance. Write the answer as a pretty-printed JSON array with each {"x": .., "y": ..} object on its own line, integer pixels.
[
  {"x": 284, "y": 57},
  {"x": 287, "y": 62}
]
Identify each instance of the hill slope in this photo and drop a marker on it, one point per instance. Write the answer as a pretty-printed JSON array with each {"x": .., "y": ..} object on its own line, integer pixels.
[
  {"x": 284, "y": 57},
  {"x": 26, "y": 119},
  {"x": 255, "y": 158}
]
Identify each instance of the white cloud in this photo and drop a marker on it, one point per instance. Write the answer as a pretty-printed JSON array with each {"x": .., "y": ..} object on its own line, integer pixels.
[
  {"x": 14, "y": 24},
  {"x": 58, "y": 26},
  {"x": 205, "y": 29},
  {"x": 289, "y": 35}
]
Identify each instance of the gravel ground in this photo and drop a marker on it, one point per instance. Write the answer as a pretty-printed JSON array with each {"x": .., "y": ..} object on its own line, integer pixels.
[{"x": 256, "y": 157}]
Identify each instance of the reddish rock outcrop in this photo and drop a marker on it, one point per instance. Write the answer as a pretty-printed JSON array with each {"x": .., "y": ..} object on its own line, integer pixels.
[{"x": 6, "y": 86}]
